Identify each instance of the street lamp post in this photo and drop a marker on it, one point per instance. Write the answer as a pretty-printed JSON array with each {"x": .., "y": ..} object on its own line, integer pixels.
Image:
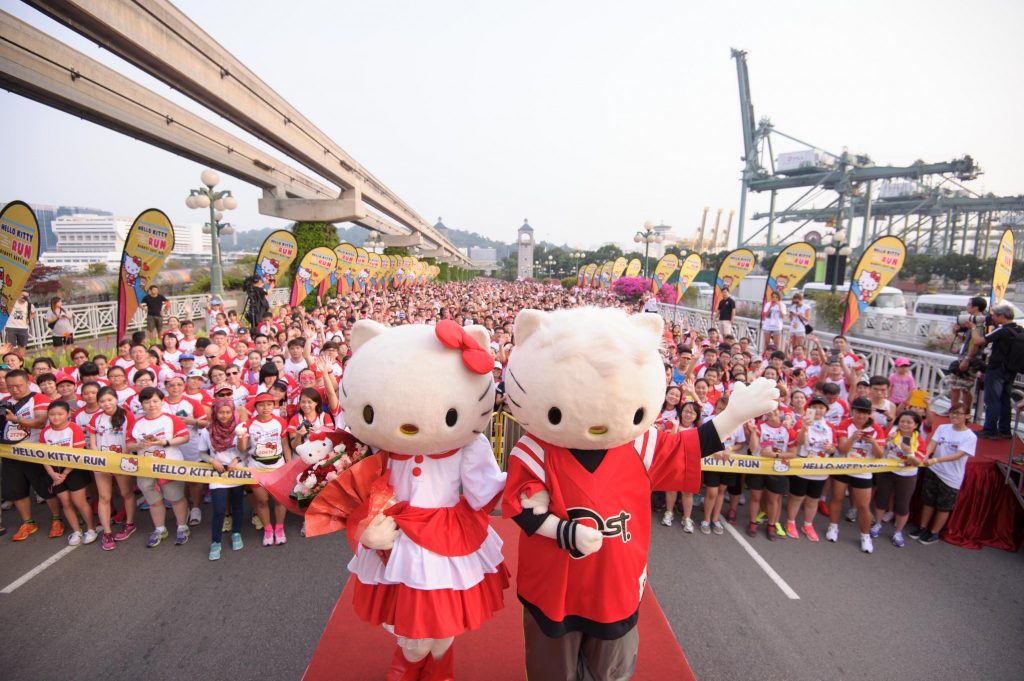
[
  {"x": 837, "y": 247},
  {"x": 373, "y": 242},
  {"x": 217, "y": 201},
  {"x": 647, "y": 237},
  {"x": 550, "y": 262}
]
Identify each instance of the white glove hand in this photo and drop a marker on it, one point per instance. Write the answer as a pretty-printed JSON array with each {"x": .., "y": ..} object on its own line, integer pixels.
[
  {"x": 539, "y": 502},
  {"x": 588, "y": 540},
  {"x": 380, "y": 534},
  {"x": 746, "y": 402}
]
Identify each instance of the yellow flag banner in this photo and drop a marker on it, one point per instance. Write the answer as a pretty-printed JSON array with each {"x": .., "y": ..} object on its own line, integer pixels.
[
  {"x": 662, "y": 271},
  {"x": 879, "y": 264},
  {"x": 605, "y": 280},
  {"x": 581, "y": 275},
  {"x": 1000, "y": 272},
  {"x": 276, "y": 254},
  {"x": 736, "y": 265},
  {"x": 19, "y": 250},
  {"x": 688, "y": 271},
  {"x": 344, "y": 269},
  {"x": 618, "y": 268},
  {"x": 588, "y": 275},
  {"x": 125, "y": 464},
  {"x": 759, "y": 465},
  {"x": 790, "y": 267},
  {"x": 633, "y": 268},
  {"x": 314, "y": 267},
  {"x": 149, "y": 242},
  {"x": 374, "y": 265},
  {"x": 408, "y": 263}
]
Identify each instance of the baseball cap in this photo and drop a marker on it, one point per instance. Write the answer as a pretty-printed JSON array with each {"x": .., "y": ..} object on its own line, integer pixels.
[
  {"x": 64, "y": 377},
  {"x": 861, "y": 404},
  {"x": 195, "y": 373},
  {"x": 264, "y": 397},
  {"x": 186, "y": 355},
  {"x": 223, "y": 388},
  {"x": 818, "y": 399},
  {"x": 901, "y": 362},
  {"x": 497, "y": 365}
]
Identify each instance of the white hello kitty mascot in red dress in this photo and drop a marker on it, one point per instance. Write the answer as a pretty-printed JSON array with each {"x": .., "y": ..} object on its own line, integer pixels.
[{"x": 427, "y": 564}]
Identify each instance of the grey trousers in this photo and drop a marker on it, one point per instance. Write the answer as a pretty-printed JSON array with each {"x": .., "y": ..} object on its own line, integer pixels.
[{"x": 578, "y": 657}]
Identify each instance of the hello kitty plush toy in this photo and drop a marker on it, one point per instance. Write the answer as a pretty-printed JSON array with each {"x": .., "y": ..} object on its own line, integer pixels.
[
  {"x": 427, "y": 564},
  {"x": 322, "y": 459},
  {"x": 587, "y": 385}
]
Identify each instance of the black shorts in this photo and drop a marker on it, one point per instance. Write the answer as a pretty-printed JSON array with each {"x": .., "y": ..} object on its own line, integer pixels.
[
  {"x": 77, "y": 479},
  {"x": 934, "y": 492},
  {"x": 18, "y": 476},
  {"x": 802, "y": 487},
  {"x": 855, "y": 483},
  {"x": 754, "y": 482},
  {"x": 777, "y": 484},
  {"x": 718, "y": 478}
]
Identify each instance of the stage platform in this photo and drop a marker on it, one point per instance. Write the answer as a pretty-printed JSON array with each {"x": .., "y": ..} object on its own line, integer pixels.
[{"x": 352, "y": 650}]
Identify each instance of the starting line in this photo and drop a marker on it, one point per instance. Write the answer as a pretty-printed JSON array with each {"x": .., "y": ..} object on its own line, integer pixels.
[{"x": 37, "y": 569}]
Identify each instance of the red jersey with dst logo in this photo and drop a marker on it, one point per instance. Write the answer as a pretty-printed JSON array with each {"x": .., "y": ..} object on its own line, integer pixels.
[
  {"x": 163, "y": 427},
  {"x": 105, "y": 437},
  {"x": 68, "y": 436},
  {"x": 616, "y": 499}
]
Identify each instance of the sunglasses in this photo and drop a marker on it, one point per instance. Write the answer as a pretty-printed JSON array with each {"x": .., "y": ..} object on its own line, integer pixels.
[{"x": 233, "y": 373}]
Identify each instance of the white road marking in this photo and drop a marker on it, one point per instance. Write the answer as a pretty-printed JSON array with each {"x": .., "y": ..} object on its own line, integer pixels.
[
  {"x": 37, "y": 569},
  {"x": 768, "y": 570}
]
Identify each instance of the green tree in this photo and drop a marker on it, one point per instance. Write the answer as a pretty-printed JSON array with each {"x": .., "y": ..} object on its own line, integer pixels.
[
  {"x": 309, "y": 235},
  {"x": 96, "y": 269}
]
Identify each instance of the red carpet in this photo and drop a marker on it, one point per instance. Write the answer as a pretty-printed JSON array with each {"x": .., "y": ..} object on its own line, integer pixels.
[{"x": 352, "y": 650}]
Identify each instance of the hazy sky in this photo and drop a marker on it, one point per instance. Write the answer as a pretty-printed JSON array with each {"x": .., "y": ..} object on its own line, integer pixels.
[{"x": 588, "y": 118}]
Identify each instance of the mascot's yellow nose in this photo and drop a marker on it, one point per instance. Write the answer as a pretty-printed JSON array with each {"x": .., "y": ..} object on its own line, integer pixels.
[
  {"x": 408, "y": 429},
  {"x": 597, "y": 430}
]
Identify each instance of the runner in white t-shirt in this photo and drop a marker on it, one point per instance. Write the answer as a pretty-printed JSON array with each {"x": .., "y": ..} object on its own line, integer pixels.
[
  {"x": 816, "y": 439},
  {"x": 107, "y": 432},
  {"x": 904, "y": 442},
  {"x": 263, "y": 437},
  {"x": 948, "y": 449},
  {"x": 859, "y": 437}
]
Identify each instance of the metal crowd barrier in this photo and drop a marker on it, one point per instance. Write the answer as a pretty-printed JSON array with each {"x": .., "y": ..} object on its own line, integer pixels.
[{"x": 504, "y": 433}]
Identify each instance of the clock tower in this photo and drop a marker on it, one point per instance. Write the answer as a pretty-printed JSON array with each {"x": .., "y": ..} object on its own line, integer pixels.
[{"x": 525, "y": 244}]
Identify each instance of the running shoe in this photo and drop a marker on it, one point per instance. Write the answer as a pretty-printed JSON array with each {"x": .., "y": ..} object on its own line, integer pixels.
[
  {"x": 918, "y": 533},
  {"x": 929, "y": 538},
  {"x": 182, "y": 535},
  {"x": 226, "y": 525},
  {"x": 717, "y": 527},
  {"x": 770, "y": 532},
  {"x": 730, "y": 516},
  {"x": 89, "y": 537},
  {"x": 195, "y": 516},
  {"x": 74, "y": 539},
  {"x": 752, "y": 530},
  {"x": 822, "y": 507},
  {"x": 215, "y": 550},
  {"x": 698, "y": 500},
  {"x": 279, "y": 537},
  {"x": 25, "y": 531},
  {"x": 155, "y": 537},
  {"x": 743, "y": 500},
  {"x": 791, "y": 530},
  {"x": 143, "y": 505},
  {"x": 810, "y": 533},
  {"x": 236, "y": 541},
  {"x": 666, "y": 519},
  {"x": 865, "y": 544},
  {"x": 6, "y": 505},
  {"x": 107, "y": 542},
  {"x": 268, "y": 537},
  {"x": 705, "y": 526},
  {"x": 56, "y": 528},
  {"x": 832, "y": 533},
  {"x": 127, "y": 530},
  {"x": 897, "y": 540},
  {"x": 851, "y": 515},
  {"x": 207, "y": 498},
  {"x": 761, "y": 518},
  {"x": 256, "y": 522},
  {"x": 780, "y": 531},
  {"x": 888, "y": 516},
  {"x": 688, "y": 526},
  {"x": 875, "y": 530}
]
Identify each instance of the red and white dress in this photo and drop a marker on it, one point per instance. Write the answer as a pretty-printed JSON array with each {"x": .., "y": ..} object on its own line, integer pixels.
[{"x": 445, "y": 573}]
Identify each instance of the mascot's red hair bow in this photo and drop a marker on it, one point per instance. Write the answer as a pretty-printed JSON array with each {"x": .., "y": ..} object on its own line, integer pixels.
[{"x": 455, "y": 337}]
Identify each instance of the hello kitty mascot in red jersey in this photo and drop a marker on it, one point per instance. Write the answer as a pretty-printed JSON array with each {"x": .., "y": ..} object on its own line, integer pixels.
[
  {"x": 427, "y": 564},
  {"x": 587, "y": 385}
]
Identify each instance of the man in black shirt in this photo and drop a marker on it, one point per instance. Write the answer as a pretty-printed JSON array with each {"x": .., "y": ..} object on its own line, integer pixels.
[
  {"x": 726, "y": 312},
  {"x": 998, "y": 377},
  {"x": 156, "y": 306}
]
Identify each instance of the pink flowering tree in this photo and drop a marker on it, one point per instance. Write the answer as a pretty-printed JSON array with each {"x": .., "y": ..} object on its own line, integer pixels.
[{"x": 631, "y": 288}]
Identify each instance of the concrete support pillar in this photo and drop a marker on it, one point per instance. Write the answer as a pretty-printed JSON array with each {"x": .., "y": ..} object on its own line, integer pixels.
[
  {"x": 346, "y": 208},
  {"x": 402, "y": 240}
]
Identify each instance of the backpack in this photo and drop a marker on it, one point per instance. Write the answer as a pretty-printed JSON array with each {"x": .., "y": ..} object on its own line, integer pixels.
[{"x": 1014, "y": 360}]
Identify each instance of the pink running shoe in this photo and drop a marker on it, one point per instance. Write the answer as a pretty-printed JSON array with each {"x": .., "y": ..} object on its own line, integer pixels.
[
  {"x": 107, "y": 541},
  {"x": 791, "y": 530},
  {"x": 127, "y": 530},
  {"x": 809, "y": 531},
  {"x": 279, "y": 537}
]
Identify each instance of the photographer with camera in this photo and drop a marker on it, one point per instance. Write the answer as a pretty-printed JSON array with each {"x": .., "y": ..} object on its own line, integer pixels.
[
  {"x": 965, "y": 377},
  {"x": 1004, "y": 362}
]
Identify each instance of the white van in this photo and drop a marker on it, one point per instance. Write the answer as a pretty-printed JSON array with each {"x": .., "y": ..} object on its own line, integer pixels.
[
  {"x": 889, "y": 302},
  {"x": 945, "y": 307}
]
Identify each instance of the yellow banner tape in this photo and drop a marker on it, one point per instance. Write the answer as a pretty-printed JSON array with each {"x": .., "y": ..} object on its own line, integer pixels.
[
  {"x": 759, "y": 465},
  {"x": 125, "y": 464}
]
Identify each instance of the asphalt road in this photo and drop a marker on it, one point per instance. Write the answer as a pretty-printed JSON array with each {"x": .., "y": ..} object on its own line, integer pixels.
[{"x": 924, "y": 612}]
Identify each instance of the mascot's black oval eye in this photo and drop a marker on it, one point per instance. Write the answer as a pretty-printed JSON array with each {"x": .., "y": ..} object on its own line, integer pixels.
[
  {"x": 368, "y": 414},
  {"x": 555, "y": 415},
  {"x": 638, "y": 416},
  {"x": 451, "y": 418}
]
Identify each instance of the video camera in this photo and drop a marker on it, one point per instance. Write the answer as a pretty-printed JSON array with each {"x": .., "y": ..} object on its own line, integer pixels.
[
  {"x": 6, "y": 406},
  {"x": 965, "y": 318}
]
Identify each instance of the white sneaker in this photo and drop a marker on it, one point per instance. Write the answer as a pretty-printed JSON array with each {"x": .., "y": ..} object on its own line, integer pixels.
[
  {"x": 705, "y": 527},
  {"x": 195, "y": 516},
  {"x": 74, "y": 539},
  {"x": 888, "y": 516},
  {"x": 89, "y": 537},
  {"x": 865, "y": 544},
  {"x": 717, "y": 527},
  {"x": 743, "y": 500},
  {"x": 851, "y": 515},
  {"x": 832, "y": 534},
  {"x": 666, "y": 519}
]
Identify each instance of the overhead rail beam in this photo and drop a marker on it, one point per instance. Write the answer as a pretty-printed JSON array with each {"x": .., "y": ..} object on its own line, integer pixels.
[{"x": 157, "y": 37}]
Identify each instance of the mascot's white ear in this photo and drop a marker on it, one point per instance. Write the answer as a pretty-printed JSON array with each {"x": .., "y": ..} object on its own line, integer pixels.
[
  {"x": 649, "y": 323},
  {"x": 527, "y": 322},
  {"x": 364, "y": 330},
  {"x": 480, "y": 334}
]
